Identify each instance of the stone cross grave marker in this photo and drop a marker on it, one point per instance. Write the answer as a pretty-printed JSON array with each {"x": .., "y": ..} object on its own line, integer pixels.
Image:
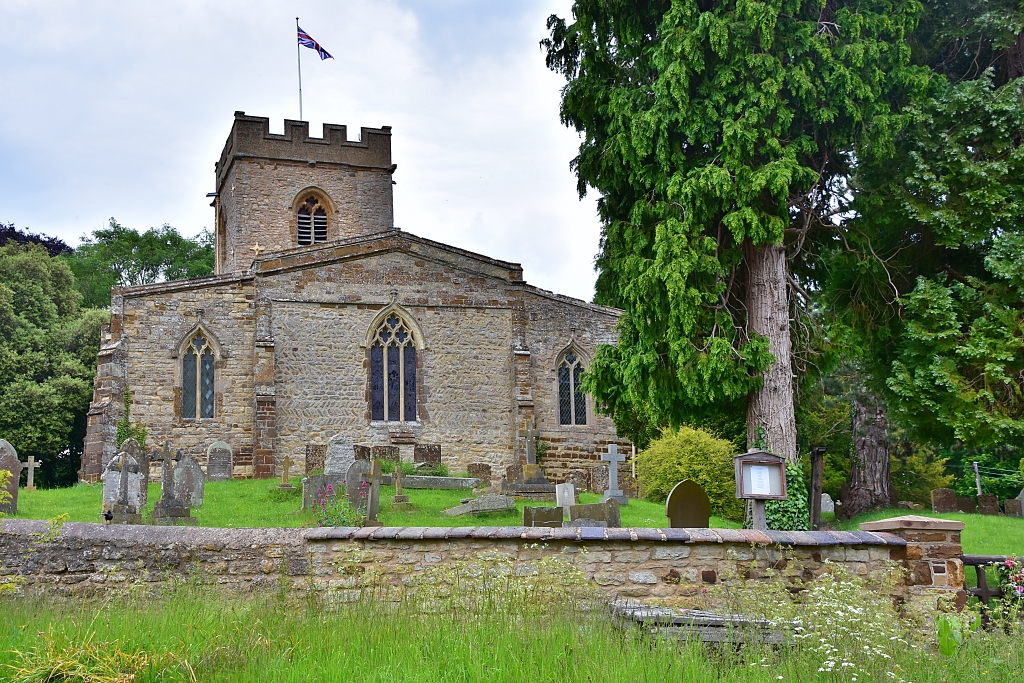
[
  {"x": 286, "y": 468},
  {"x": 688, "y": 506},
  {"x": 9, "y": 461},
  {"x": 340, "y": 455},
  {"x": 531, "y": 444},
  {"x": 122, "y": 490},
  {"x": 31, "y": 465},
  {"x": 171, "y": 510},
  {"x": 613, "y": 458},
  {"x": 565, "y": 495},
  {"x": 373, "y": 499},
  {"x": 219, "y": 461},
  {"x": 132, "y": 448}
]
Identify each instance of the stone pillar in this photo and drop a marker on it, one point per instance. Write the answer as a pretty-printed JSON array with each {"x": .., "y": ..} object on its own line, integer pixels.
[
  {"x": 931, "y": 556},
  {"x": 264, "y": 438},
  {"x": 107, "y": 406}
]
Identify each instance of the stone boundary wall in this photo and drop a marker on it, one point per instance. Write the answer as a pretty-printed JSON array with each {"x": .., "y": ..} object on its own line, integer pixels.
[{"x": 625, "y": 563}]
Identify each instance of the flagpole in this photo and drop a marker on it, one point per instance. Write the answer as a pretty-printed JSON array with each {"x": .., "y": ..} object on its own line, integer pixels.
[{"x": 298, "y": 54}]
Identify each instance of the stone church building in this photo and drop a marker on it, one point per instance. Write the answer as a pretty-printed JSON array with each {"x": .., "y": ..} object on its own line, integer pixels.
[{"x": 324, "y": 319}]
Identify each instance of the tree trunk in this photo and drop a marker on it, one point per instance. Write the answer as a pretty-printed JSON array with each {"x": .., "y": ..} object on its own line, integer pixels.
[
  {"x": 868, "y": 488},
  {"x": 771, "y": 406},
  {"x": 1015, "y": 59}
]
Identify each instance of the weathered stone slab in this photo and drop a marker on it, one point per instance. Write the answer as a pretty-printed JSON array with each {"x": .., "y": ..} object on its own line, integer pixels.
[
  {"x": 535, "y": 515},
  {"x": 414, "y": 481},
  {"x": 586, "y": 522},
  {"x": 988, "y": 504},
  {"x": 429, "y": 453},
  {"x": 122, "y": 490},
  {"x": 362, "y": 451},
  {"x": 578, "y": 478},
  {"x": 389, "y": 453},
  {"x": 966, "y": 504},
  {"x": 132, "y": 448},
  {"x": 533, "y": 475},
  {"x": 9, "y": 461},
  {"x": 495, "y": 503},
  {"x": 340, "y": 455},
  {"x": 943, "y": 500},
  {"x": 1013, "y": 508},
  {"x": 357, "y": 484},
  {"x": 607, "y": 511},
  {"x": 316, "y": 457},
  {"x": 827, "y": 504},
  {"x": 316, "y": 485},
  {"x": 480, "y": 470},
  {"x": 565, "y": 495},
  {"x": 688, "y": 506},
  {"x": 220, "y": 461},
  {"x": 189, "y": 482}
]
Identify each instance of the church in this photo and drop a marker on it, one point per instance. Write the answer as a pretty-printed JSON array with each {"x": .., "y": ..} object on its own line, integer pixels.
[{"x": 324, "y": 319}]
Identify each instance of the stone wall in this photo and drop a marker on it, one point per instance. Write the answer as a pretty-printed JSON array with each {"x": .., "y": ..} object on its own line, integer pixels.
[{"x": 625, "y": 563}]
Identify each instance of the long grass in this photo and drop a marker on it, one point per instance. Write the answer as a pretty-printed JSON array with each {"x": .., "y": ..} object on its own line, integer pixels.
[{"x": 982, "y": 534}]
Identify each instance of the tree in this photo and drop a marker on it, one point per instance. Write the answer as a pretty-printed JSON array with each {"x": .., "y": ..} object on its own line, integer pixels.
[
  {"x": 122, "y": 257},
  {"x": 720, "y": 136},
  {"x": 10, "y": 234},
  {"x": 48, "y": 348}
]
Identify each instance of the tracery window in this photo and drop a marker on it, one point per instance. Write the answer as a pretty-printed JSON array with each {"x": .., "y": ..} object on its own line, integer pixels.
[
  {"x": 197, "y": 374},
  {"x": 393, "y": 373},
  {"x": 572, "y": 402},
  {"x": 312, "y": 222}
]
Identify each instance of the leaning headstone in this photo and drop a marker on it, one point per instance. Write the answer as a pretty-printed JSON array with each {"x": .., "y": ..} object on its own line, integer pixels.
[
  {"x": 489, "y": 503},
  {"x": 132, "y": 448},
  {"x": 688, "y": 506},
  {"x": 565, "y": 495},
  {"x": 390, "y": 453},
  {"x": 481, "y": 471},
  {"x": 357, "y": 484},
  {"x": 340, "y": 455},
  {"x": 535, "y": 515},
  {"x": 966, "y": 504},
  {"x": 1013, "y": 507},
  {"x": 943, "y": 500},
  {"x": 607, "y": 512},
  {"x": 317, "y": 486},
  {"x": 613, "y": 492},
  {"x": 220, "y": 461},
  {"x": 316, "y": 457},
  {"x": 988, "y": 504},
  {"x": 373, "y": 499},
  {"x": 170, "y": 510},
  {"x": 122, "y": 490},
  {"x": 428, "y": 453},
  {"x": 827, "y": 504},
  {"x": 189, "y": 481},
  {"x": 9, "y": 461}
]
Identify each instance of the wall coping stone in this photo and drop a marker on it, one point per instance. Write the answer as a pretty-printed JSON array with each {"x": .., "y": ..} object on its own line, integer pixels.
[
  {"x": 247, "y": 538},
  {"x": 913, "y": 522}
]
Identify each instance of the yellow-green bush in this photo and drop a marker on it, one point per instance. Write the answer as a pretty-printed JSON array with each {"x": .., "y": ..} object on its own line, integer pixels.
[{"x": 691, "y": 454}]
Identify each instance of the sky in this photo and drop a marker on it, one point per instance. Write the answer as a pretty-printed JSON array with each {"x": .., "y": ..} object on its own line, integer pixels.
[{"x": 120, "y": 109}]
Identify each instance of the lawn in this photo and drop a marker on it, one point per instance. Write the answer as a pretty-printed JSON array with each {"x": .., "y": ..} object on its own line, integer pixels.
[{"x": 982, "y": 534}]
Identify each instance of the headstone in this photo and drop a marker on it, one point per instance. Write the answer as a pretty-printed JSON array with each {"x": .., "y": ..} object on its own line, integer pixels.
[
  {"x": 122, "y": 490},
  {"x": 943, "y": 500},
  {"x": 909, "y": 505},
  {"x": 481, "y": 471},
  {"x": 316, "y": 485},
  {"x": 966, "y": 504},
  {"x": 316, "y": 457},
  {"x": 1013, "y": 507},
  {"x": 533, "y": 474},
  {"x": 565, "y": 495},
  {"x": 9, "y": 461},
  {"x": 586, "y": 522},
  {"x": 688, "y": 506},
  {"x": 613, "y": 492},
  {"x": 362, "y": 452},
  {"x": 598, "y": 476},
  {"x": 578, "y": 478},
  {"x": 340, "y": 455},
  {"x": 220, "y": 462},
  {"x": 489, "y": 503},
  {"x": 827, "y": 504},
  {"x": 988, "y": 504},
  {"x": 132, "y": 448},
  {"x": 390, "y": 453},
  {"x": 357, "y": 484},
  {"x": 31, "y": 465},
  {"x": 189, "y": 481},
  {"x": 399, "y": 501},
  {"x": 170, "y": 510},
  {"x": 429, "y": 453},
  {"x": 535, "y": 515},
  {"x": 531, "y": 442},
  {"x": 607, "y": 512},
  {"x": 286, "y": 471},
  {"x": 373, "y": 499}
]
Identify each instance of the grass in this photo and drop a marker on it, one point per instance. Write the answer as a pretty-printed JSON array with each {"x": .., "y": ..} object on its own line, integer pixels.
[{"x": 982, "y": 534}]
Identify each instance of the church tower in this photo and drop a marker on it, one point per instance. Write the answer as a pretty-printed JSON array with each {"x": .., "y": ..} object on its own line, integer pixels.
[{"x": 279, "y": 192}]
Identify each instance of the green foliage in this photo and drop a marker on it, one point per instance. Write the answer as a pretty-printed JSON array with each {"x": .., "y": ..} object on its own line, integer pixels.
[
  {"x": 331, "y": 509},
  {"x": 794, "y": 513},
  {"x": 126, "y": 429},
  {"x": 915, "y": 471},
  {"x": 122, "y": 257},
  {"x": 707, "y": 129},
  {"x": 48, "y": 347},
  {"x": 5, "y": 495},
  {"x": 694, "y": 454},
  {"x": 954, "y": 630}
]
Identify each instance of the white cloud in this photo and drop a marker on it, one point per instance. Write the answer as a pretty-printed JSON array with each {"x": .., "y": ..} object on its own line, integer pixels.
[{"x": 121, "y": 109}]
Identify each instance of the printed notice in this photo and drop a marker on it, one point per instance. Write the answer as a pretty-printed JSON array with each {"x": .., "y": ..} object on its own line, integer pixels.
[{"x": 759, "y": 481}]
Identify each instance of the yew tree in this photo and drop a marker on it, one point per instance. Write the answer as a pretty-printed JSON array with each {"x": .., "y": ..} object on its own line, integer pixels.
[{"x": 720, "y": 136}]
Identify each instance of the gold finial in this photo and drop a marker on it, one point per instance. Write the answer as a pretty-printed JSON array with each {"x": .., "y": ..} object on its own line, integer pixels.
[{"x": 256, "y": 248}]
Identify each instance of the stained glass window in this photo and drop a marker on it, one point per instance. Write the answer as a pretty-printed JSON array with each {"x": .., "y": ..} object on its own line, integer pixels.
[
  {"x": 311, "y": 223},
  {"x": 198, "y": 376},
  {"x": 393, "y": 373},
  {"x": 572, "y": 402}
]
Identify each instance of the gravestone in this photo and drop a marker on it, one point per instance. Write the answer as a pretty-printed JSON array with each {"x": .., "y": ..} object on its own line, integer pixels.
[
  {"x": 399, "y": 501},
  {"x": 189, "y": 482},
  {"x": 316, "y": 486},
  {"x": 606, "y": 512},
  {"x": 613, "y": 492},
  {"x": 827, "y": 504},
  {"x": 361, "y": 452},
  {"x": 428, "y": 453},
  {"x": 1013, "y": 507},
  {"x": 132, "y": 448},
  {"x": 966, "y": 504},
  {"x": 170, "y": 510},
  {"x": 578, "y": 478},
  {"x": 316, "y": 457},
  {"x": 988, "y": 504},
  {"x": 598, "y": 477},
  {"x": 389, "y": 453},
  {"x": 220, "y": 462},
  {"x": 341, "y": 454},
  {"x": 481, "y": 471},
  {"x": 688, "y": 506},
  {"x": 373, "y": 499},
  {"x": 943, "y": 500},
  {"x": 31, "y": 465},
  {"x": 565, "y": 495},
  {"x": 534, "y": 515},
  {"x": 357, "y": 484},
  {"x": 122, "y": 490},
  {"x": 9, "y": 461},
  {"x": 489, "y": 503}
]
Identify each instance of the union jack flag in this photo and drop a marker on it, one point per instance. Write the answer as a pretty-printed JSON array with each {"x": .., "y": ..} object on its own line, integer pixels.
[{"x": 307, "y": 40}]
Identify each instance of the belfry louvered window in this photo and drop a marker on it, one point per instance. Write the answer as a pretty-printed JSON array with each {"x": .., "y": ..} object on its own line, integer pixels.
[
  {"x": 312, "y": 222},
  {"x": 393, "y": 373},
  {"x": 572, "y": 402},
  {"x": 197, "y": 374}
]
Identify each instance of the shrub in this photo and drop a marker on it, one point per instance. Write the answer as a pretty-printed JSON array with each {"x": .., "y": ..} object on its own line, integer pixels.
[
  {"x": 794, "y": 513},
  {"x": 334, "y": 510},
  {"x": 693, "y": 454}
]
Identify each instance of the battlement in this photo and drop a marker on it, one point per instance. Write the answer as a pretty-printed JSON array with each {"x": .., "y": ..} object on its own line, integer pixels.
[{"x": 251, "y": 137}]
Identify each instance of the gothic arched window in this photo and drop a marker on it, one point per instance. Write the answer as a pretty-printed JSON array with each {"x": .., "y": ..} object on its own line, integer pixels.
[
  {"x": 197, "y": 378},
  {"x": 572, "y": 402},
  {"x": 312, "y": 222},
  {"x": 393, "y": 372}
]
